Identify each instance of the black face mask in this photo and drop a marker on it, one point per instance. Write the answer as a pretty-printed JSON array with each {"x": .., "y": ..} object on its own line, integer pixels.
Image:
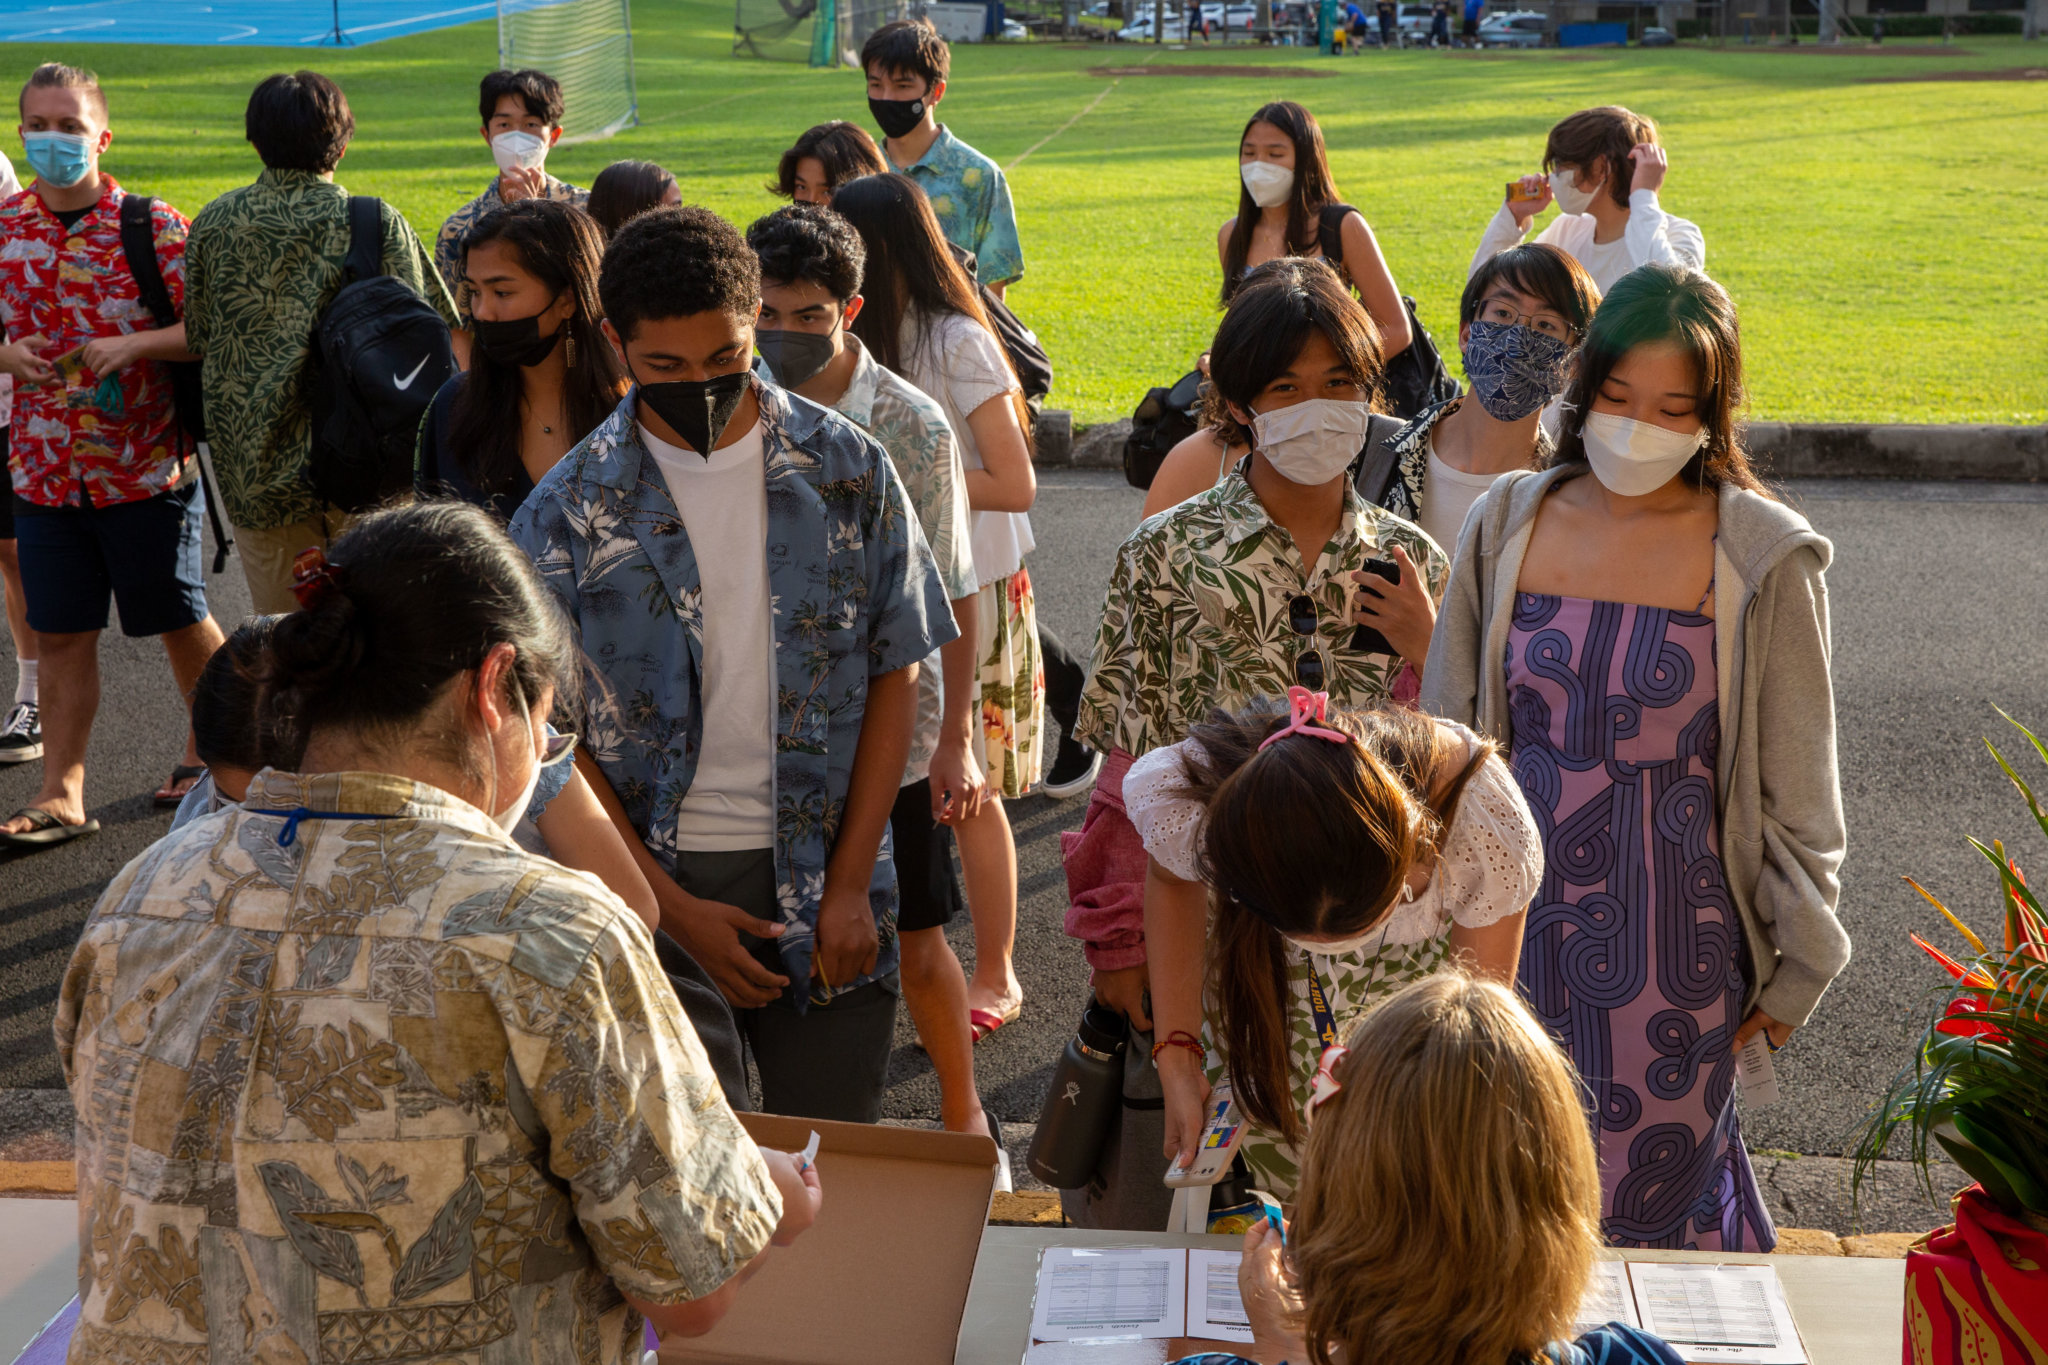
[
  {"x": 794, "y": 357},
  {"x": 517, "y": 342},
  {"x": 897, "y": 117},
  {"x": 697, "y": 409}
]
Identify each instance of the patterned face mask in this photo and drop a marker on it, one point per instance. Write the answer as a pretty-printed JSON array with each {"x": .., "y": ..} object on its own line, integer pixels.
[{"x": 1514, "y": 369}]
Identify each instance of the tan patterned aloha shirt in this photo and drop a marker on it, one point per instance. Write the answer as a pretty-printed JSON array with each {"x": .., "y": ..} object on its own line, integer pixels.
[
  {"x": 1196, "y": 614},
  {"x": 380, "y": 1085}
]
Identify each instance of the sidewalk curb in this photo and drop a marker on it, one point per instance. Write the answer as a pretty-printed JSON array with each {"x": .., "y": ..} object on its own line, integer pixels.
[{"x": 1786, "y": 450}]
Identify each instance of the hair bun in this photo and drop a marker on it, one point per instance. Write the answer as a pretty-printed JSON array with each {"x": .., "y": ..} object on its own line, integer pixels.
[{"x": 309, "y": 649}]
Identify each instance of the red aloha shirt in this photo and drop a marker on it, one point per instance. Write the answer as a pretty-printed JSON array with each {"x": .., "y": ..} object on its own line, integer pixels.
[{"x": 72, "y": 287}]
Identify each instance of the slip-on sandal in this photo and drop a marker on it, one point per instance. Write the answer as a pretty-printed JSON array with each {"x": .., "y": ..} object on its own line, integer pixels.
[
  {"x": 183, "y": 779},
  {"x": 44, "y": 829},
  {"x": 985, "y": 1022}
]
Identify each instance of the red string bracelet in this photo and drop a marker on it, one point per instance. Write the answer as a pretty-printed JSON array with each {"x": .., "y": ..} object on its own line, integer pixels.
[{"x": 1182, "y": 1039}]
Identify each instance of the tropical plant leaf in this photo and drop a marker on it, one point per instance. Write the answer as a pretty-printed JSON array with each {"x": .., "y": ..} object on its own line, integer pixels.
[
  {"x": 1969, "y": 937},
  {"x": 445, "y": 1249}
]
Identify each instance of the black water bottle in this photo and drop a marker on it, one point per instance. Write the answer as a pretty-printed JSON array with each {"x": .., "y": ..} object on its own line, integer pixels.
[{"x": 1087, "y": 1091}]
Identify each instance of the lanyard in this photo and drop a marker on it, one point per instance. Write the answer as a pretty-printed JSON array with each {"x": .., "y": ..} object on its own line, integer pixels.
[
  {"x": 1319, "y": 1006},
  {"x": 287, "y": 836}
]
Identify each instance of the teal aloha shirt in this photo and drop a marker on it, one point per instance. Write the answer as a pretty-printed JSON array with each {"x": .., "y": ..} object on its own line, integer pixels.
[
  {"x": 972, "y": 202},
  {"x": 855, "y": 594}
]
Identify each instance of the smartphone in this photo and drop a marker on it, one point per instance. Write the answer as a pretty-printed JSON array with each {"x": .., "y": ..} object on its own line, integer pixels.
[
  {"x": 1518, "y": 195},
  {"x": 1366, "y": 639},
  {"x": 1222, "y": 1130}
]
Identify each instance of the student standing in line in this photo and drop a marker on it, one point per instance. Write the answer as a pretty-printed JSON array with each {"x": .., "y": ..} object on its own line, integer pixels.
[
  {"x": 1603, "y": 168},
  {"x": 922, "y": 318},
  {"x": 105, "y": 485},
  {"x": 906, "y": 64},
  {"x": 1238, "y": 593},
  {"x": 1521, "y": 315},
  {"x": 492, "y": 1024},
  {"x": 263, "y": 262},
  {"x": 812, "y": 265},
  {"x": 754, "y": 595},
  {"x": 823, "y": 159},
  {"x": 522, "y": 119},
  {"x": 627, "y": 189},
  {"x": 1285, "y": 197},
  {"x": 541, "y": 375},
  {"x": 1646, "y": 629},
  {"x": 1345, "y": 854},
  {"x": 1445, "y": 1138}
]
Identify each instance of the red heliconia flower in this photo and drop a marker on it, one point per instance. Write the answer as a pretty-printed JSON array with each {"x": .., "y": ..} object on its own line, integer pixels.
[{"x": 1957, "y": 1022}]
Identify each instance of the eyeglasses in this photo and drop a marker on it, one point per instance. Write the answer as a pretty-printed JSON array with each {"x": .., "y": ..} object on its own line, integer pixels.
[
  {"x": 1308, "y": 665},
  {"x": 1498, "y": 310}
]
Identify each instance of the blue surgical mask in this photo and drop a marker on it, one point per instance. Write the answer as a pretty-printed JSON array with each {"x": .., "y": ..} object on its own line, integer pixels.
[
  {"x": 1514, "y": 369},
  {"x": 60, "y": 159}
]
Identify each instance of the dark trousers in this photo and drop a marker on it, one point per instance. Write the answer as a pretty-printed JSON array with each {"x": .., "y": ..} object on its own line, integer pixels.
[
  {"x": 828, "y": 1061},
  {"x": 1065, "y": 676}
]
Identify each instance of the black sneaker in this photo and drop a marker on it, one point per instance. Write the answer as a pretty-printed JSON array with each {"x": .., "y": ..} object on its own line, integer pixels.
[
  {"x": 21, "y": 738},
  {"x": 1074, "y": 769}
]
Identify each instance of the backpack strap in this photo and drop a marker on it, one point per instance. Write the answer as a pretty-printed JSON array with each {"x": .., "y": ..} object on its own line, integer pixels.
[
  {"x": 1330, "y": 232},
  {"x": 138, "y": 244},
  {"x": 365, "y": 238},
  {"x": 1377, "y": 462}
]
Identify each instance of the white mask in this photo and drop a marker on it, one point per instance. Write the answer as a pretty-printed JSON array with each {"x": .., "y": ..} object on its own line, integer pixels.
[
  {"x": 1633, "y": 458},
  {"x": 1347, "y": 947},
  {"x": 1268, "y": 184},
  {"x": 519, "y": 151},
  {"x": 1564, "y": 187},
  {"x": 510, "y": 815},
  {"x": 1314, "y": 441}
]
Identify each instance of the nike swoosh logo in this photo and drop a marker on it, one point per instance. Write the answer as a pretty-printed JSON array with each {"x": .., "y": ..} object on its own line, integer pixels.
[{"x": 406, "y": 383}]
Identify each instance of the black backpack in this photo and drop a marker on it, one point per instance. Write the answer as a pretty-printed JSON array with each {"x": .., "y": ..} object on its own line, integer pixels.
[
  {"x": 1165, "y": 418},
  {"x": 380, "y": 354},
  {"x": 1020, "y": 343},
  {"x": 1416, "y": 379}
]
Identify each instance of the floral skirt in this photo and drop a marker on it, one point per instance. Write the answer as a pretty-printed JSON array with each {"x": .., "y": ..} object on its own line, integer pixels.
[{"x": 1012, "y": 685}]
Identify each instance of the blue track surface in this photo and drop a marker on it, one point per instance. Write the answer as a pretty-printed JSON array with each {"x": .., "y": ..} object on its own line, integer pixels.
[{"x": 274, "y": 23}]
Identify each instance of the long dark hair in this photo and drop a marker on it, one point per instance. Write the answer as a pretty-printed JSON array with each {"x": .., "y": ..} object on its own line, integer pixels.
[
  {"x": 418, "y": 595},
  {"x": 844, "y": 150},
  {"x": 1666, "y": 303},
  {"x": 909, "y": 268},
  {"x": 625, "y": 189},
  {"x": 1308, "y": 837},
  {"x": 1313, "y": 189},
  {"x": 1269, "y": 321},
  {"x": 561, "y": 247}
]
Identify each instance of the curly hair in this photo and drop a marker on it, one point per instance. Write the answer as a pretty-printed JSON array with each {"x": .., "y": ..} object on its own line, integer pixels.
[
  {"x": 808, "y": 244},
  {"x": 676, "y": 262}
]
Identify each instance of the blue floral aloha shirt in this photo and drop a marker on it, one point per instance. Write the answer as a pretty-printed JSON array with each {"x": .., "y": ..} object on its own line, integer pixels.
[
  {"x": 971, "y": 199},
  {"x": 855, "y": 595}
]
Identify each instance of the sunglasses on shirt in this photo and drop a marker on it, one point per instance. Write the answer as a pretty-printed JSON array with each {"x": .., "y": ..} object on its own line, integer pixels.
[{"x": 1308, "y": 665}]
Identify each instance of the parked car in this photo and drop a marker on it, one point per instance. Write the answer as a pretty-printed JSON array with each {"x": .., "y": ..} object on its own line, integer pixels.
[
  {"x": 1140, "y": 29},
  {"x": 1014, "y": 30},
  {"x": 1236, "y": 17},
  {"x": 1413, "y": 23},
  {"x": 1515, "y": 28},
  {"x": 1657, "y": 37}
]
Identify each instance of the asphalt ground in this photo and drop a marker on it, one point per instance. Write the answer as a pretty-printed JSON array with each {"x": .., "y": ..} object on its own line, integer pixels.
[{"x": 1938, "y": 600}]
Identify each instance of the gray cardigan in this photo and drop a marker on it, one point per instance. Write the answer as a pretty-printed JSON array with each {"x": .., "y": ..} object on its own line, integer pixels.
[{"x": 1775, "y": 779}]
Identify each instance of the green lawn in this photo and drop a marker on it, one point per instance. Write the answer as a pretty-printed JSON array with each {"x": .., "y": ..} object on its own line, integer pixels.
[{"x": 1885, "y": 241}]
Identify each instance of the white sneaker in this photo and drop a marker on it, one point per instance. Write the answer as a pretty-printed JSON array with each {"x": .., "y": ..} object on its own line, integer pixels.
[{"x": 21, "y": 738}]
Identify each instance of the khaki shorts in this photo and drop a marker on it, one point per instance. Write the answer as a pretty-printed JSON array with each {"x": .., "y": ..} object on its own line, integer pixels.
[{"x": 267, "y": 556}]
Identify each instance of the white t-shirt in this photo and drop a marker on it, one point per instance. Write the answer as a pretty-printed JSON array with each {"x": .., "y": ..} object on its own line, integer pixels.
[
  {"x": 724, "y": 505},
  {"x": 956, "y": 361},
  {"x": 1447, "y": 495},
  {"x": 1652, "y": 237}
]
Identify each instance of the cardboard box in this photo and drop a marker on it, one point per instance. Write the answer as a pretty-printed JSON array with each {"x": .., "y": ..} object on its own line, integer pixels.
[{"x": 881, "y": 1278}]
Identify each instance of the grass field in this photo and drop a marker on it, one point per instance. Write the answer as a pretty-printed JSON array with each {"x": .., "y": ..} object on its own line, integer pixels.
[{"x": 1885, "y": 241}]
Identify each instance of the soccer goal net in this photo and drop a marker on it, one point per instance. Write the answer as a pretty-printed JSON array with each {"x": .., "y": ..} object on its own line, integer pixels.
[
  {"x": 820, "y": 32},
  {"x": 587, "y": 45}
]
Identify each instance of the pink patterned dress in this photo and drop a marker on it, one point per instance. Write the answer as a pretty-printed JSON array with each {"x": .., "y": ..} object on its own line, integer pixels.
[{"x": 1633, "y": 953}]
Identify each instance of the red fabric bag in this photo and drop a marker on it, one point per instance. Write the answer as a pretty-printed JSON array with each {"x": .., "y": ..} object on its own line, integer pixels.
[{"x": 1977, "y": 1290}]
